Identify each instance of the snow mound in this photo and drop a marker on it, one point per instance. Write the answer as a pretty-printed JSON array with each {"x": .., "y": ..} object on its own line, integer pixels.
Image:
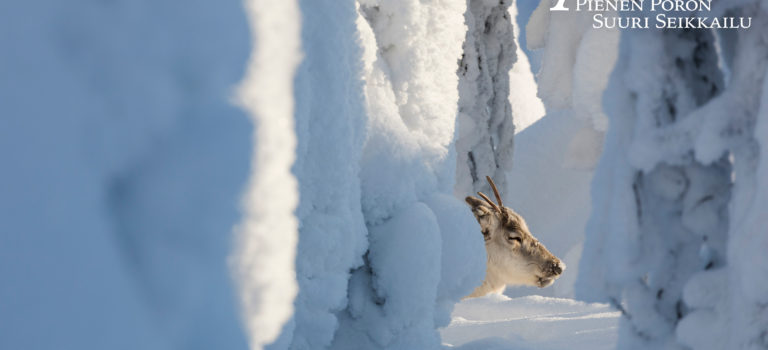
[{"x": 532, "y": 322}]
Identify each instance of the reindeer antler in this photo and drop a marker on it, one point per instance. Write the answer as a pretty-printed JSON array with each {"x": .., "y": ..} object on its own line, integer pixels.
[
  {"x": 495, "y": 207},
  {"x": 498, "y": 207},
  {"x": 495, "y": 191}
]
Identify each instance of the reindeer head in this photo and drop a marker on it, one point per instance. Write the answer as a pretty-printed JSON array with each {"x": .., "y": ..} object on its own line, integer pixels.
[{"x": 515, "y": 256}]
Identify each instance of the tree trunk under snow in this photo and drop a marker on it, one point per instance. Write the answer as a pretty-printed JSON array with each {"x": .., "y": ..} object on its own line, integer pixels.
[{"x": 484, "y": 142}]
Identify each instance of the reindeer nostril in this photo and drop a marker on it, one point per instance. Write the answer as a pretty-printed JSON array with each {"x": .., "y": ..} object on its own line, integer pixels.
[{"x": 555, "y": 268}]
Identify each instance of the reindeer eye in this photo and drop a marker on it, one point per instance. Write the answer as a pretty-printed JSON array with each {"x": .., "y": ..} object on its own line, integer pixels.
[{"x": 512, "y": 239}]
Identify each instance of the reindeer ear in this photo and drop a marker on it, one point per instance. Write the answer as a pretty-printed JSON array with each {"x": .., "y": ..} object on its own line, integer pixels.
[
  {"x": 479, "y": 207},
  {"x": 475, "y": 202}
]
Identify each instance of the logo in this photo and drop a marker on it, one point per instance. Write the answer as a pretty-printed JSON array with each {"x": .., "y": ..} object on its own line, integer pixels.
[
  {"x": 658, "y": 14},
  {"x": 560, "y": 6}
]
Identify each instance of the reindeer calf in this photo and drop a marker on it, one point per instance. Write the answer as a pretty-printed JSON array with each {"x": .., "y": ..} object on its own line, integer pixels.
[{"x": 515, "y": 256}]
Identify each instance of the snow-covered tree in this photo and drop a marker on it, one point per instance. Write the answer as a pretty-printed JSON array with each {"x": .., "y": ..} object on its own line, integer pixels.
[
  {"x": 123, "y": 161},
  {"x": 484, "y": 144},
  {"x": 384, "y": 249},
  {"x": 676, "y": 190}
]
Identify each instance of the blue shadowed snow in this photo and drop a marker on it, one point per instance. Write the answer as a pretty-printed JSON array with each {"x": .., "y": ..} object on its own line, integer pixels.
[{"x": 122, "y": 164}]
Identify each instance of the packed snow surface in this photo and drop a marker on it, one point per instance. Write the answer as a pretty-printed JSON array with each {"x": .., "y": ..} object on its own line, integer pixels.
[{"x": 497, "y": 322}]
